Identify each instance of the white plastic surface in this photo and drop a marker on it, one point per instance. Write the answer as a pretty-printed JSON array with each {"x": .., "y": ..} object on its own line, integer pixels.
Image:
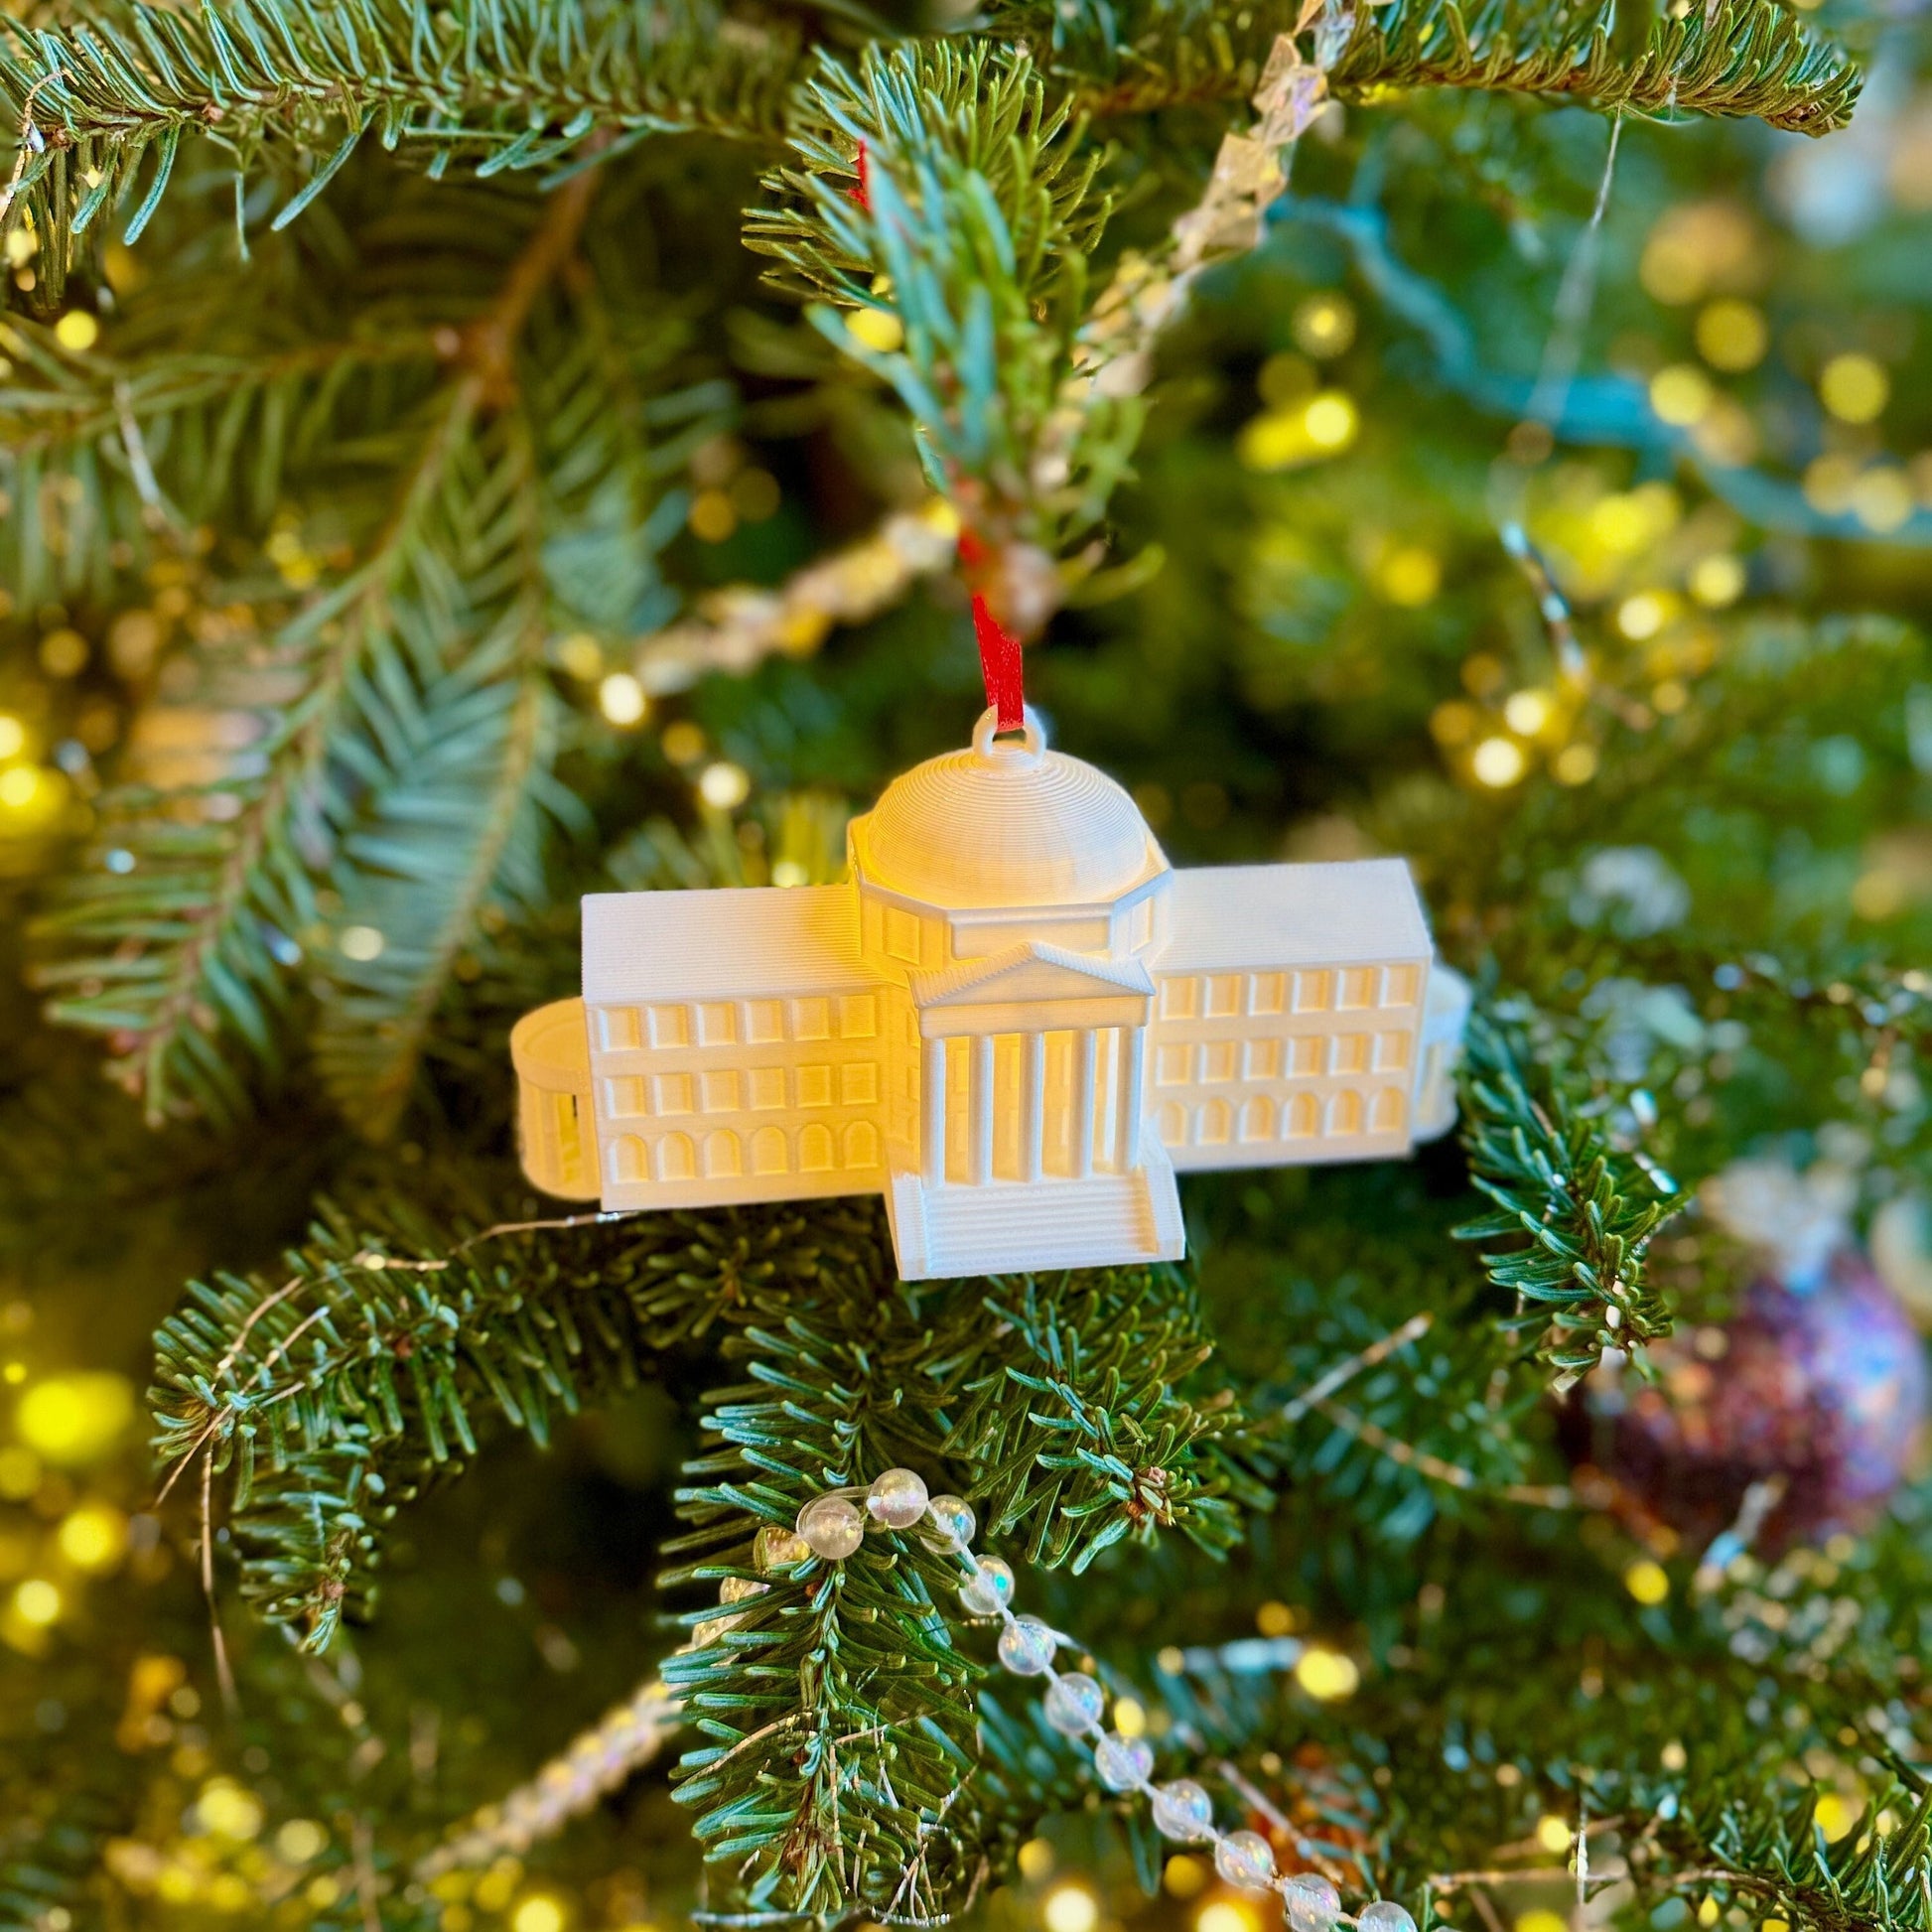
[{"x": 1016, "y": 1022}]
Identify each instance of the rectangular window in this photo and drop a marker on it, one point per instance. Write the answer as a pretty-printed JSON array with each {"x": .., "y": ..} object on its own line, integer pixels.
[
  {"x": 859, "y": 1017},
  {"x": 902, "y": 935},
  {"x": 859, "y": 1083},
  {"x": 1174, "y": 1064},
  {"x": 765, "y": 1022},
  {"x": 1267, "y": 993},
  {"x": 814, "y": 1086},
  {"x": 1348, "y": 1053},
  {"x": 618, "y": 1029},
  {"x": 672, "y": 1093},
  {"x": 625, "y": 1099},
  {"x": 717, "y": 1025},
  {"x": 1391, "y": 1053},
  {"x": 1359, "y": 988},
  {"x": 1400, "y": 985},
  {"x": 811, "y": 1020},
  {"x": 1304, "y": 1055},
  {"x": 768, "y": 1088},
  {"x": 1217, "y": 1060},
  {"x": 1180, "y": 999},
  {"x": 1314, "y": 992},
  {"x": 1223, "y": 995},
  {"x": 670, "y": 1025},
  {"x": 1262, "y": 1059},
  {"x": 723, "y": 1092}
]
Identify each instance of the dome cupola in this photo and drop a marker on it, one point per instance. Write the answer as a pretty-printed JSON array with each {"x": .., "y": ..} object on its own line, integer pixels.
[{"x": 1006, "y": 824}]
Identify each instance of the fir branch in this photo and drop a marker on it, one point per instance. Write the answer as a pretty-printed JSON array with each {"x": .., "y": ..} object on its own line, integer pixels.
[
  {"x": 1104, "y": 1446},
  {"x": 1739, "y": 57},
  {"x": 1583, "y": 1215},
  {"x": 328, "y": 1397},
  {"x": 493, "y": 84}
]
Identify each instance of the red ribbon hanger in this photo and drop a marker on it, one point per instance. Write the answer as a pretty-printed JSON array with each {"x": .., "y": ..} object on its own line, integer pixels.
[{"x": 1001, "y": 667}]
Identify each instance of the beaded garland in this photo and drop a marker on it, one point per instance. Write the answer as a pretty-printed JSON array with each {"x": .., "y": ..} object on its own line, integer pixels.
[{"x": 834, "y": 1525}]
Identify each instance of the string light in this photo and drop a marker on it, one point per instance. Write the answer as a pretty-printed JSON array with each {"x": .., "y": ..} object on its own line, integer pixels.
[
  {"x": 36, "y": 1603},
  {"x": 1326, "y": 1675},
  {"x": 76, "y": 331},
  {"x": 621, "y": 698},
  {"x": 1071, "y": 1908},
  {"x": 1854, "y": 388},
  {"x": 724, "y": 785},
  {"x": 75, "y": 1419},
  {"x": 1681, "y": 394},
  {"x": 1647, "y": 1582},
  {"x": 1498, "y": 762}
]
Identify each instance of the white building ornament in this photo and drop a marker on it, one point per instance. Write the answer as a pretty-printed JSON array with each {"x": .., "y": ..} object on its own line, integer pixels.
[{"x": 1016, "y": 1022}]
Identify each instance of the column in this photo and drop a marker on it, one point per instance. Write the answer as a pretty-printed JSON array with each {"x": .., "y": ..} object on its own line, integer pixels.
[
  {"x": 1133, "y": 1067},
  {"x": 1033, "y": 1106},
  {"x": 932, "y": 1106},
  {"x": 980, "y": 1109},
  {"x": 1085, "y": 1047}
]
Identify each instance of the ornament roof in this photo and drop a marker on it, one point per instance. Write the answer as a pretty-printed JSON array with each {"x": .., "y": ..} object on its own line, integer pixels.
[{"x": 1006, "y": 825}]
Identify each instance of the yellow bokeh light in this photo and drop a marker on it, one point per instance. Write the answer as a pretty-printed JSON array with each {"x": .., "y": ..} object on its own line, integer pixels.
[
  {"x": 713, "y": 517},
  {"x": 538, "y": 1913},
  {"x": 622, "y": 699},
  {"x": 226, "y": 1810},
  {"x": 1837, "y": 1814},
  {"x": 1882, "y": 499},
  {"x": 1854, "y": 388},
  {"x": 299, "y": 1839},
  {"x": 1732, "y": 335},
  {"x": 1410, "y": 576},
  {"x": 1681, "y": 394},
  {"x": 1330, "y": 420},
  {"x": 1071, "y": 1908},
  {"x": 20, "y": 786},
  {"x": 1553, "y": 1834},
  {"x": 1575, "y": 765},
  {"x": 13, "y": 736},
  {"x": 1274, "y": 1620},
  {"x": 1830, "y": 482},
  {"x": 724, "y": 785},
  {"x": 1647, "y": 1582},
  {"x": 93, "y": 1537},
  {"x": 1717, "y": 581},
  {"x": 1709, "y": 1912},
  {"x": 1497, "y": 763},
  {"x": 1326, "y": 1674},
  {"x": 1528, "y": 711},
  {"x": 1036, "y": 1860},
  {"x": 1225, "y": 1915},
  {"x": 1642, "y": 616},
  {"x": 76, "y": 331},
  {"x": 1183, "y": 1877},
  {"x": 75, "y": 1419},
  {"x": 1542, "y": 1921},
  {"x": 1130, "y": 1718},
  {"x": 1325, "y": 324},
  {"x": 36, "y": 1601},
  {"x": 877, "y": 328}
]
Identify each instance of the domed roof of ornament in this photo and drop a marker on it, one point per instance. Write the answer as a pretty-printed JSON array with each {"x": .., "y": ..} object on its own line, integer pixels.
[{"x": 1006, "y": 824}]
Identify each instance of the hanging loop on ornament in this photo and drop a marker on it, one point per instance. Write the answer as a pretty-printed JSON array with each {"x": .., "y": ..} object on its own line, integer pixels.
[{"x": 1025, "y": 754}]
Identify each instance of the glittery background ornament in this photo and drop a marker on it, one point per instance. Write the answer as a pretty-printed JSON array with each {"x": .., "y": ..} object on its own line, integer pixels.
[{"x": 1794, "y": 1420}]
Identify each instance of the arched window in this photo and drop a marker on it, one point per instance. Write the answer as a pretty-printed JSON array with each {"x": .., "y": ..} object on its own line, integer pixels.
[
  {"x": 1258, "y": 1117},
  {"x": 815, "y": 1148},
  {"x": 1173, "y": 1125},
  {"x": 676, "y": 1158},
  {"x": 768, "y": 1152},
  {"x": 1303, "y": 1117},
  {"x": 1216, "y": 1124},
  {"x": 860, "y": 1146},
  {"x": 724, "y": 1159},
  {"x": 627, "y": 1159},
  {"x": 1386, "y": 1116},
  {"x": 1345, "y": 1113}
]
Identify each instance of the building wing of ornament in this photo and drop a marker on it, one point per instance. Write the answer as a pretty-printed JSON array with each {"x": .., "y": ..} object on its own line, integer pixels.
[{"x": 1286, "y": 1019}]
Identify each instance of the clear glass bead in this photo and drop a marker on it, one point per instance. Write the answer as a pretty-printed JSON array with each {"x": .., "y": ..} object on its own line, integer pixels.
[
  {"x": 734, "y": 1590},
  {"x": 1247, "y": 1860},
  {"x": 1183, "y": 1811},
  {"x": 1027, "y": 1646},
  {"x": 1074, "y": 1702},
  {"x": 898, "y": 1498},
  {"x": 832, "y": 1527},
  {"x": 1122, "y": 1763},
  {"x": 1311, "y": 1902},
  {"x": 949, "y": 1523},
  {"x": 778, "y": 1549},
  {"x": 989, "y": 1589},
  {"x": 1385, "y": 1915}
]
